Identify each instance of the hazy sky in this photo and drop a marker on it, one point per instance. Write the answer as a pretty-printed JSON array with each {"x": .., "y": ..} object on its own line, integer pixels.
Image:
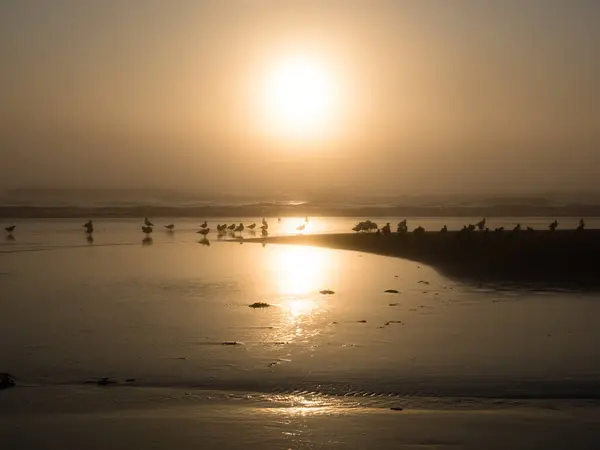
[{"x": 403, "y": 96}]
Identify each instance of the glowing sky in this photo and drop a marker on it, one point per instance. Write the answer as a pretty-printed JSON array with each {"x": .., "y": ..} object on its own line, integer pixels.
[{"x": 390, "y": 95}]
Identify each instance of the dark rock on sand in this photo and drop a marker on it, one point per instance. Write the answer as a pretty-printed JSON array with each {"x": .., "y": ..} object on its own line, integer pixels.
[
  {"x": 259, "y": 305},
  {"x": 327, "y": 292},
  {"x": 391, "y": 291},
  {"x": 6, "y": 381}
]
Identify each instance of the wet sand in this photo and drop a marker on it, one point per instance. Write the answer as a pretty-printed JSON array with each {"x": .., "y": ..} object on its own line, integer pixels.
[
  {"x": 72, "y": 417},
  {"x": 560, "y": 258}
]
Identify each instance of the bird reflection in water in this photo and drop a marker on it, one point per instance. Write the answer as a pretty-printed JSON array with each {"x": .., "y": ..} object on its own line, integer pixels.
[
  {"x": 10, "y": 238},
  {"x": 147, "y": 241},
  {"x": 89, "y": 239},
  {"x": 204, "y": 241}
]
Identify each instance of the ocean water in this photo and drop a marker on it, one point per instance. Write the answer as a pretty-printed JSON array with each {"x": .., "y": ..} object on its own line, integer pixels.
[
  {"x": 174, "y": 312},
  {"x": 168, "y": 320}
]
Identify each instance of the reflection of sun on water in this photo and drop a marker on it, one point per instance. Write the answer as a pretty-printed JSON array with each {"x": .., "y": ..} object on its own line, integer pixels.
[{"x": 301, "y": 270}]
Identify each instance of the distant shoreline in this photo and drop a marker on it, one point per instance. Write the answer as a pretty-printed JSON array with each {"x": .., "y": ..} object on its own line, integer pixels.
[
  {"x": 564, "y": 258},
  {"x": 311, "y": 210}
]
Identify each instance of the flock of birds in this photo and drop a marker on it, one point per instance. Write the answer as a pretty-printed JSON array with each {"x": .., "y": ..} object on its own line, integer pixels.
[
  {"x": 222, "y": 229},
  {"x": 366, "y": 226},
  {"x": 402, "y": 228}
]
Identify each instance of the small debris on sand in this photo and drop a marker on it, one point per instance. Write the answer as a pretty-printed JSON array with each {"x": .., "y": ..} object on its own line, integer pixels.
[
  {"x": 130, "y": 380},
  {"x": 394, "y": 304},
  {"x": 392, "y": 321},
  {"x": 6, "y": 381},
  {"x": 259, "y": 305},
  {"x": 326, "y": 292},
  {"x": 361, "y": 321},
  {"x": 423, "y": 282},
  {"x": 397, "y": 408},
  {"x": 391, "y": 291},
  {"x": 333, "y": 323},
  {"x": 105, "y": 381},
  {"x": 230, "y": 343}
]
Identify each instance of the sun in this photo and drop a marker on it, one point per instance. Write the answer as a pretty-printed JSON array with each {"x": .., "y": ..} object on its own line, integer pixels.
[{"x": 301, "y": 99}]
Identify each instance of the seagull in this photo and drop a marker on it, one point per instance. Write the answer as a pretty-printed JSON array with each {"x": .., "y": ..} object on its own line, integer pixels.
[
  {"x": 10, "y": 229},
  {"x": 147, "y": 229},
  {"x": 264, "y": 222},
  {"x": 89, "y": 227},
  {"x": 148, "y": 223},
  {"x": 239, "y": 228},
  {"x": 252, "y": 226},
  {"x": 204, "y": 225},
  {"x": 170, "y": 227},
  {"x": 203, "y": 231}
]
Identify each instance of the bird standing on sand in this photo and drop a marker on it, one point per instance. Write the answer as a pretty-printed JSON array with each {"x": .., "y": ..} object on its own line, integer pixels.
[
  {"x": 147, "y": 222},
  {"x": 147, "y": 229},
  {"x": 444, "y": 229},
  {"x": 231, "y": 227},
  {"x": 252, "y": 226},
  {"x": 481, "y": 224},
  {"x": 204, "y": 225},
  {"x": 581, "y": 226},
  {"x": 239, "y": 228},
  {"x": 89, "y": 227},
  {"x": 386, "y": 229},
  {"x": 170, "y": 227},
  {"x": 10, "y": 229},
  {"x": 553, "y": 226},
  {"x": 203, "y": 231}
]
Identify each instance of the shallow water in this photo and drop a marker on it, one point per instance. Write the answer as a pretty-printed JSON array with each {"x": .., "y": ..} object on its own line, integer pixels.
[{"x": 164, "y": 314}]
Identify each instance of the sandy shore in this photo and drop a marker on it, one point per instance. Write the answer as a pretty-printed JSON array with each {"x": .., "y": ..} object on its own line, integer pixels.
[
  {"x": 561, "y": 258},
  {"x": 75, "y": 417}
]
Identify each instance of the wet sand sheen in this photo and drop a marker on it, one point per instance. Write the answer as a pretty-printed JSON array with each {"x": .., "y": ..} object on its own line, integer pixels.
[{"x": 551, "y": 258}]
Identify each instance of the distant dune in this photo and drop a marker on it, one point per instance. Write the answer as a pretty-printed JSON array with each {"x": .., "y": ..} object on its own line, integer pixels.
[{"x": 561, "y": 258}]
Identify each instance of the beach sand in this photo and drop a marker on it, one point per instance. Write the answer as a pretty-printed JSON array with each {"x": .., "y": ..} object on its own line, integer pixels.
[
  {"x": 68, "y": 418},
  {"x": 472, "y": 365}
]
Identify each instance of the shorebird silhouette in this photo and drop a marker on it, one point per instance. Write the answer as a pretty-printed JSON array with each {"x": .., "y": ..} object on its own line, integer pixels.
[
  {"x": 147, "y": 229},
  {"x": 301, "y": 227},
  {"x": 481, "y": 224},
  {"x": 89, "y": 227},
  {"x": 10, "y": 229},
  {"x": 581, "y": 225},
  {"x": 239, "y": 228},
  {"x": 386, "y": 229},
  {"x": 203, "y": 231},
  {"x": 231, "y": 227},
  {"x": 170, "y": 227},
  {"x": 147, "y": 222},
  {"x": 553, "y": 226},
  {"x": 444, "y": 229},
  {"x": 252, "y": 226},
  {"x": 204, "y": 225}
]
